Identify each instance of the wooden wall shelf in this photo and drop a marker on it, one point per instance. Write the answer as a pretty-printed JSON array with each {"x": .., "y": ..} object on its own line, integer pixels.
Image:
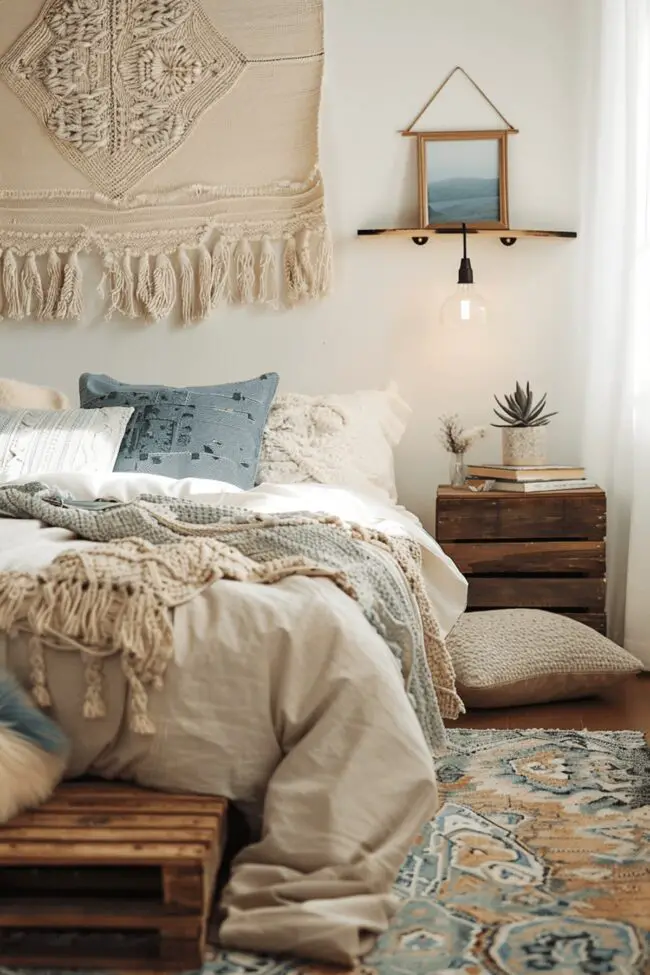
[{"x": 507, "y": 236}]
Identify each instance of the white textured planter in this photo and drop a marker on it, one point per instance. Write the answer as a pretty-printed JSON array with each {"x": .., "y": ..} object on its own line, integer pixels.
[{"x": 523, "y": 446}]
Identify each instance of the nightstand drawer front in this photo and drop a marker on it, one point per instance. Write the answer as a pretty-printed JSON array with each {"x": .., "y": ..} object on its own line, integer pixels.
[
  {"x": 528, "y": 558},
  {"x": 530, "y": 517},
  {"x": 572, "y": 595}
]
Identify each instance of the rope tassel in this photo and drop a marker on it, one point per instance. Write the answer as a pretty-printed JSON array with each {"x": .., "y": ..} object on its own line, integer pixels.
[
  {"x": 220, "y": 289},
  {"x": 70, "y": 306},
  {"x": 118, "y": 274},
  {"x": 31, "y": 287},
  {"x": 10, "y": 284},
  {"x": 54, "y": 285},
  {"x": 127, "y": 304},
  {"x": 246, "y": 271},
  {"x": 205, "y": 283},
  {"x": 187, "y": 286},
  {"x": 269, "y": 293},
  {"x": 303, "y": 256},
  {"x": 164, "y": 288},
  {"x": 293, "y": 273},
  {"x": 144, "y": 286},
  {"x": 114, "y": 278},
  {"x": 324, "y": 262}
]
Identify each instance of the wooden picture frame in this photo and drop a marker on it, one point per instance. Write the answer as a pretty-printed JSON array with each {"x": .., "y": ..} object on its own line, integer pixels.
[{"x": 485, "y": 208}]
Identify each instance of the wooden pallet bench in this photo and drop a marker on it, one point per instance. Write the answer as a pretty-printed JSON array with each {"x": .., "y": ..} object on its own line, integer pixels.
[{"x": 110, "y": 877}]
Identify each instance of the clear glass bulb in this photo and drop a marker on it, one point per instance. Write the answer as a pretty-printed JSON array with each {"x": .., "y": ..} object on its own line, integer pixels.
[{"x": 465, "y": 307}]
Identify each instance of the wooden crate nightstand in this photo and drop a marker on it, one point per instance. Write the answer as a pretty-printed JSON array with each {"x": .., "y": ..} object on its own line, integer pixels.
[{"x": 538, "y": 551}]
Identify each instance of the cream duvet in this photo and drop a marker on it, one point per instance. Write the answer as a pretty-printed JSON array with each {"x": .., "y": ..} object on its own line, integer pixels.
[{"x": 282, "y": 698}]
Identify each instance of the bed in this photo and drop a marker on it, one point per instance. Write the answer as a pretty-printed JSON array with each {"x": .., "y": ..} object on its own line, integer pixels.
[{"x": 284, "y": 699}]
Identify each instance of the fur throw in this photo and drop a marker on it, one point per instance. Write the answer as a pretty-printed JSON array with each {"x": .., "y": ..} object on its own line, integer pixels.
[{"x": 33, "y": 752}]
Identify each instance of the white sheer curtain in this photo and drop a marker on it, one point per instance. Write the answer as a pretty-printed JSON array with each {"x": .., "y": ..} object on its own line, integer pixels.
[{"x": 617, "y": 311}]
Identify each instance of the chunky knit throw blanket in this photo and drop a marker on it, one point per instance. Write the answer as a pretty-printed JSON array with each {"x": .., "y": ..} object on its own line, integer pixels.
[
  {"x": 176, "y": 138},
  {"x": 157, "y": 553}
]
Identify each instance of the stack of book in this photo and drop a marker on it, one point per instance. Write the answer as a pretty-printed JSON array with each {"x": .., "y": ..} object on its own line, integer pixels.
[{"x": 528, "y": 479}]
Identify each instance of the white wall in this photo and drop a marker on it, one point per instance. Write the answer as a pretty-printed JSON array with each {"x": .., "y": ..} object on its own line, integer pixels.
[{"x": 385, "y": 57}]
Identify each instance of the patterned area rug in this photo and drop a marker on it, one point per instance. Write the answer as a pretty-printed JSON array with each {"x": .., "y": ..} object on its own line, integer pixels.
[{"x": 538, "y": 861}]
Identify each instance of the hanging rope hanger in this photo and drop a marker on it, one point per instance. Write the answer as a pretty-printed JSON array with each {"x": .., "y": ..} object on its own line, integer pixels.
[{"x": 409, "y": 130}]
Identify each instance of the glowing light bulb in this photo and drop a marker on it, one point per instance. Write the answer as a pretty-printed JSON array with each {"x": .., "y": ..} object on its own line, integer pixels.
[{"x": 466, "y": 306}]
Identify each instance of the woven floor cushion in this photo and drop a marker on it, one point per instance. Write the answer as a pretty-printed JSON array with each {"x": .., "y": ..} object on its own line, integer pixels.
[{"x": 509, "y": 657}]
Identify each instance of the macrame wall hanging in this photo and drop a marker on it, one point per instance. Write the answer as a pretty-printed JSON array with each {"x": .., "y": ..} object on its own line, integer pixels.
[{"x": 176, "y": 138}]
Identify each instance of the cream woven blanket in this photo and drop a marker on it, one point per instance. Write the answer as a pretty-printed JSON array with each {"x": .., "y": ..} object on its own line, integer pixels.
[
  {"x": 177, "y": 138},
  {"x": 158, "y": 553},
  {"x": 119, "y": 599}
]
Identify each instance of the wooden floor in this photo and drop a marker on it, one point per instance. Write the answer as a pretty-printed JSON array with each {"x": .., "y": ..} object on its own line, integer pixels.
[{"x": 624, "y": 708}]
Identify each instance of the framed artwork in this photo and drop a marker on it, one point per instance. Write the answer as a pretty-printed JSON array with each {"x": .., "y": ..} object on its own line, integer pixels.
[
  {"x": 463, "y": 179},
  {"x": 463, "y": 174}
]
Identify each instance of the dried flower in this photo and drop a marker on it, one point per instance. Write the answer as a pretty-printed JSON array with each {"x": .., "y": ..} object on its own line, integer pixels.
[{"x": 454, "y": 438}]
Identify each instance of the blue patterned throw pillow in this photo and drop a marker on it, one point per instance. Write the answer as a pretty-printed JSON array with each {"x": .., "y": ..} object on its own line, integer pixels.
[{"x": 212, "y": 432}]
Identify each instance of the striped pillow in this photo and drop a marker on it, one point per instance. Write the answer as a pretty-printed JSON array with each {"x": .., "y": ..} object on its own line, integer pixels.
[{"x": 60, "y": 441}]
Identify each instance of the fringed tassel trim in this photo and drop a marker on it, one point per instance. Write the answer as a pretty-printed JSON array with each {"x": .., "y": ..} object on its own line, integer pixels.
[{"x": 198, "y": 281}]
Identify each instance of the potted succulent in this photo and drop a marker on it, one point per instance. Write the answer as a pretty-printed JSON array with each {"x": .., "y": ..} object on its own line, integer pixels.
[{"x": 523, "y": 429}]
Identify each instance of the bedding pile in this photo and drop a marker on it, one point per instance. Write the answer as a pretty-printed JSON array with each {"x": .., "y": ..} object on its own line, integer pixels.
[
  {"x": 136, "y": 607},
  {"x": 118, "y": 598}
]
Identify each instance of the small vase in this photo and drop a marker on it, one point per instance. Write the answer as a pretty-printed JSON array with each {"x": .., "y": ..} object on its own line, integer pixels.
[
  {"x": 457, "y": 470},
  {"x": 524, "y": 446}
]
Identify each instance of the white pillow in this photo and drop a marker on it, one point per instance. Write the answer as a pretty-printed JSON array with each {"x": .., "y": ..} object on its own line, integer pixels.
[
  {"x": 52, "y": 441},
  {"x": 345, "y": 439},
  {"x": 16, "y": 395}
]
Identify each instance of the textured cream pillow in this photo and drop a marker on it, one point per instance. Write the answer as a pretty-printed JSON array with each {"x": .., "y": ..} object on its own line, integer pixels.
[
  {"x": 345, "y": 439},
  {"x": 506, "y": 657}
]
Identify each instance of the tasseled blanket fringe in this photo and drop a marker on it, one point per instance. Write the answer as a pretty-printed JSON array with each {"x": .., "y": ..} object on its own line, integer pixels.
[
  {"x": 196, "y": 281},
  {"x": 96, "y": 620}
]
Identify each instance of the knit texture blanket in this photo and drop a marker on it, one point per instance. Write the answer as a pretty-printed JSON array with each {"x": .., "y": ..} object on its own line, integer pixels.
[
  {"x": 157, "y": 553},
  {"x": 176, "y": 138}
]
